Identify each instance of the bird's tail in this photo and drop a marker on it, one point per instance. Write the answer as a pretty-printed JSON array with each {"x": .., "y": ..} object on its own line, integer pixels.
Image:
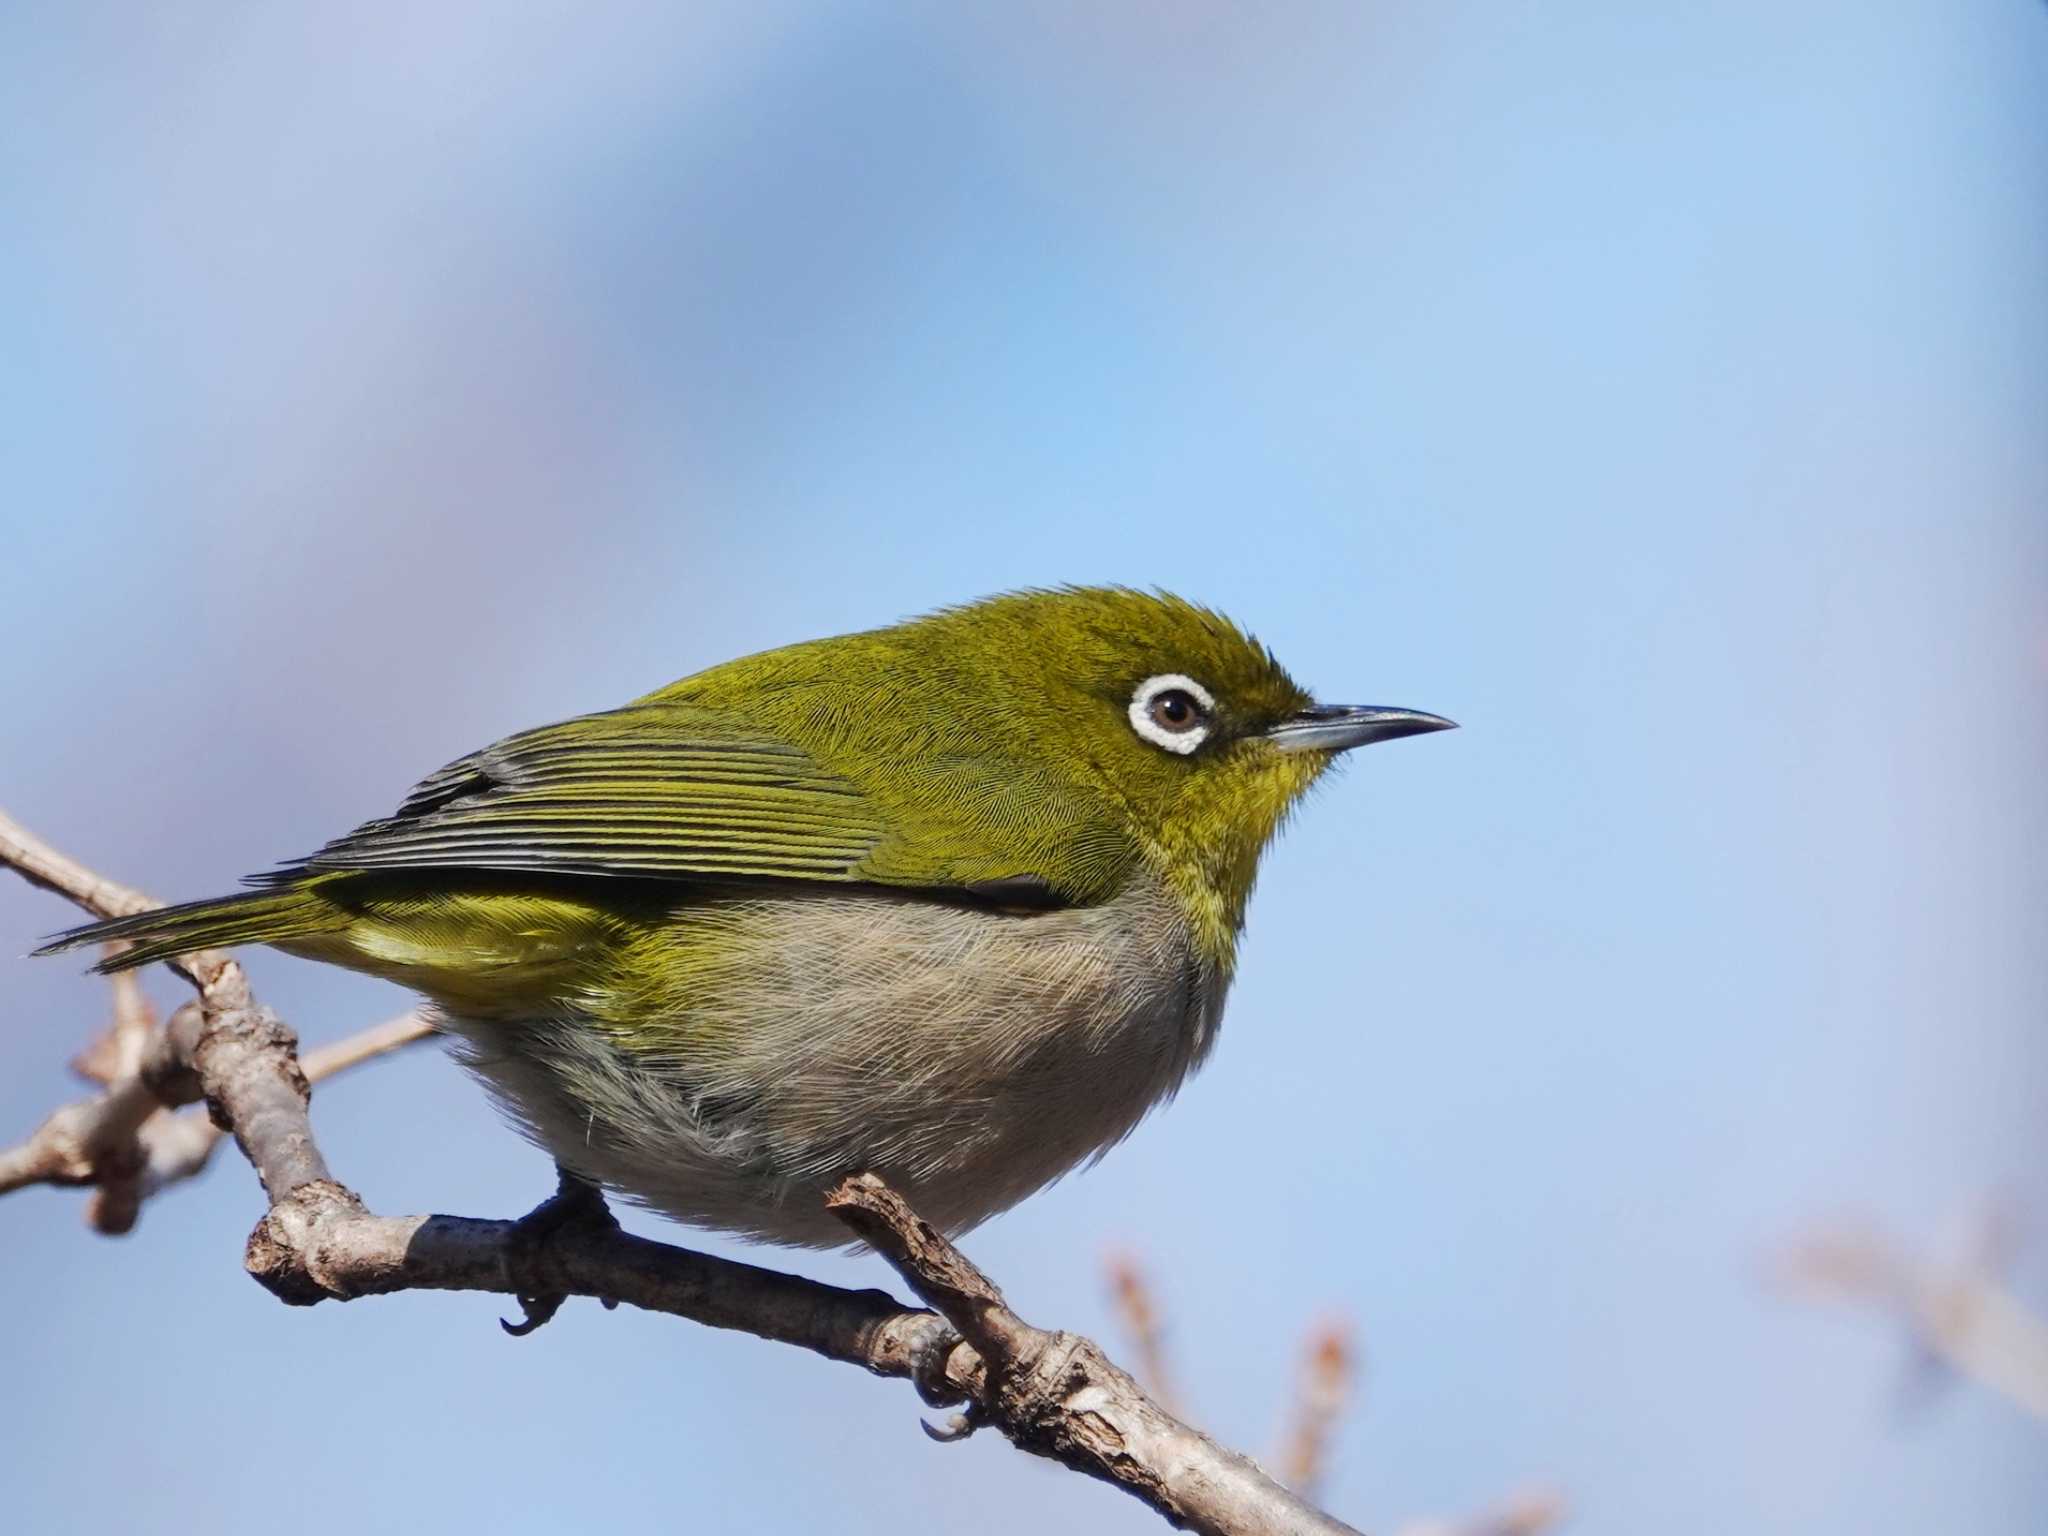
[{"x": 254, "y": 917}]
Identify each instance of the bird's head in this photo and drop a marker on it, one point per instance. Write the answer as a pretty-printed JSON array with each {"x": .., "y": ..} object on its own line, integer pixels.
[{"x": 1186, "y": 722}]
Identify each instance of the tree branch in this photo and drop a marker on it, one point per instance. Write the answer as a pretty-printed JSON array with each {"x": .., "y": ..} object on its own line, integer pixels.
[
  {"x": 1962, "y": 1316},
  {"x": 40, "y": 864},
  {"x": 1059, "y": 1395},
  {"x": 1054, "y": 1394}
]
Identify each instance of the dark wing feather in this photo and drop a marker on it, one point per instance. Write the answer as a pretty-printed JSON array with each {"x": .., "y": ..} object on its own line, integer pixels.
[{"x": 652, "y": 790}]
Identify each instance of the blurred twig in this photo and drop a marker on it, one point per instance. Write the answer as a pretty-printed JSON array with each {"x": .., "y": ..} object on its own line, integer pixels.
[
  {"x": 1328, "y": 1385},
  {"x": 1961, "y": 1315},
  {"x": 1328, "y": 1378},
  {"x": 1138, "y": 1310},
  {"x": 1526, "y": 1513},
  {"x": 116, "y": 1052}
]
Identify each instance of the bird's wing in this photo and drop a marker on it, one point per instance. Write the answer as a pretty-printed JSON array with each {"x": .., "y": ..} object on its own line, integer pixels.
[{"x": 661, "y": 791}]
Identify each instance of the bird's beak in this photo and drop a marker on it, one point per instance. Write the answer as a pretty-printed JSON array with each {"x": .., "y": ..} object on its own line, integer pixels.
[{"x": 1340, "y": 727}]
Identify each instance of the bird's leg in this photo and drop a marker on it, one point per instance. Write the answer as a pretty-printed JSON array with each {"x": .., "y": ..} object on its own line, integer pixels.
[{"x": 576, "y": 1202}]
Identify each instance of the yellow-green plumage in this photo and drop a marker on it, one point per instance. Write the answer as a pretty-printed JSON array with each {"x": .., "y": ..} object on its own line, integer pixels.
[{"x": 937, "y": 899}]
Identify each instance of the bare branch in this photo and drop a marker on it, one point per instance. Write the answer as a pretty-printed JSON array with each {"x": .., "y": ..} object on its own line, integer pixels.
[
  {"x": 96, "y": 1142},
  {"x": 325, "y": 1061},
  {"x": 128, "y": 1143},
  {"x": 1058, "y": 1395},
  {"x": 118, "y": 1141},
  {"x": 79, "y": 1142},
  {"x": 1963, "y": 1316},
  {"x": 1055, "y": 1394},
  {"x": 179, "y": 1146},
  {"x": 40, "y": 864},
  {"x": 117, "y": 1051}
]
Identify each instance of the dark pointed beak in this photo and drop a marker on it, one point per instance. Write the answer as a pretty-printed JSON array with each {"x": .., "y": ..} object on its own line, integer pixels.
[{"x": 1340, "y": 727}]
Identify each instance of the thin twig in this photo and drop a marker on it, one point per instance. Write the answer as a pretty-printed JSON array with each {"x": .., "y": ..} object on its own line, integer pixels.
[
  {"x": 1964, "y": 1316},
  {"x": 1138, "y": 1309},
  {"x": 337, "y": 1056},
  {"x": 117, "y": 1050},
  {"x": 40, "y": 864},
  {"x": 1530, "y": 1512},
  {"x": 1329, "y": 1371}
]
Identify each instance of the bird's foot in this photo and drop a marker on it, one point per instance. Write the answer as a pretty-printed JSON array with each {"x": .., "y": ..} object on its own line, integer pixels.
[
  {"x": 928, "y": 1364},
  {"x": 576, "y": 1202}
]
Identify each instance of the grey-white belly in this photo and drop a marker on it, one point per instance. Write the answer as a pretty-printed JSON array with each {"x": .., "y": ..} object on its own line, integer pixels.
[{"x": 966, "y": 1055}]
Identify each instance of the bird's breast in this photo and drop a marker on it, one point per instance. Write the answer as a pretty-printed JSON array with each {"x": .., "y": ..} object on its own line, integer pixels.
[{"x": 748, "y": 1050}]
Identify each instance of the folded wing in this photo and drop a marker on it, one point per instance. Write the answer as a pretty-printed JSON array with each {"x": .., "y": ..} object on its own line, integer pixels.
[{"x": 648, "y": 791}]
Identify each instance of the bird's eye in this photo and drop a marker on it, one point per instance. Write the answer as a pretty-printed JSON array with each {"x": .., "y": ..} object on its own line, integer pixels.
[{"x": 1172, "y": 711}]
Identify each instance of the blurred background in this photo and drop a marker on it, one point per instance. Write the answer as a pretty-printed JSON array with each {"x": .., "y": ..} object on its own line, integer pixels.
[{"x": 1660, "y": 392}]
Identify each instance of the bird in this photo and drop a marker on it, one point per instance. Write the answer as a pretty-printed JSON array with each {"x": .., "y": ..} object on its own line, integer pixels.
[{"x": 955, "y": 902}]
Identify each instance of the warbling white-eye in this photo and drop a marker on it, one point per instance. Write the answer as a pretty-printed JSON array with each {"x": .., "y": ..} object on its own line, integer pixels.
[{"x": 955, "y": 901}]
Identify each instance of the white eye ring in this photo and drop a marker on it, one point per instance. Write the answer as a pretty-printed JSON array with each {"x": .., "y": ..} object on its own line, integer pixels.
[{"x": 1142, "y": 722}]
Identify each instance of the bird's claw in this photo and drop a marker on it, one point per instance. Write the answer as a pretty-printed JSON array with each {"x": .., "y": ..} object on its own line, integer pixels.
[
  {"x": 957, "y": 1428},
  {"x": 576, "y": 1202},
  {"x": 540, "y": 1309},
  {"x": 929, "y": 1358}
]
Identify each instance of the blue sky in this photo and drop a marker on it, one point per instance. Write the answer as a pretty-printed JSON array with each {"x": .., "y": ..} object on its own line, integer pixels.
[{"x": 1659, "y": 393}]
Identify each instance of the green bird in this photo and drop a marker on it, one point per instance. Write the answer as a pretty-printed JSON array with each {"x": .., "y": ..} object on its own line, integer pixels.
[{"x": 955, "y": 901}]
